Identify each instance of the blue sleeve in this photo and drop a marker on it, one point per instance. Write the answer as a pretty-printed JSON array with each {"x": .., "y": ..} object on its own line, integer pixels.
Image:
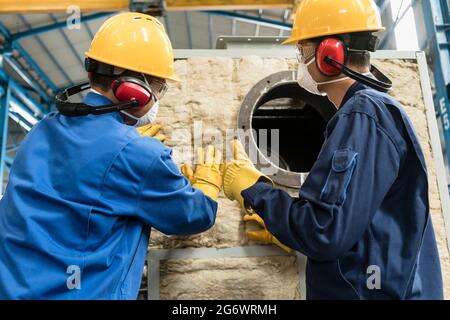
[
  {"x": 355, "y": 169},
  {"x": 170, "y": 204}
]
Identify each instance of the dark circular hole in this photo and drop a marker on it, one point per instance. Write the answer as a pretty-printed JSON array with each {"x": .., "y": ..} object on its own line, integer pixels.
[
  {"x": 301, "y": 126},
  {"x": 298, "y": 116}
]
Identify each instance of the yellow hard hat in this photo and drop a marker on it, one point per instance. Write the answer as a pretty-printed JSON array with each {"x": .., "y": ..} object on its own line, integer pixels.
[
  {"x": 136, "y": 42},
  {"x": 319, "y": 18}
]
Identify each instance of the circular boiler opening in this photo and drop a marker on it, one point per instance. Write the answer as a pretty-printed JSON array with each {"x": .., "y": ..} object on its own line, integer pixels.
[{"x": 286, "y": 125}]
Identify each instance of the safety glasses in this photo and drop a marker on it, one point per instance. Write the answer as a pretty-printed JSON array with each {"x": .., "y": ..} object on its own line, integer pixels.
[
  {"x": 159, "y": 87},
  {"x": 305, "y": 52}
]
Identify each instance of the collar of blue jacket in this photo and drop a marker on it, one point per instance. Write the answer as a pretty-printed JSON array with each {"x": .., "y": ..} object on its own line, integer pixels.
[
  {"x": 357, "y": 86},
  {"x": 95, "y": 99}
]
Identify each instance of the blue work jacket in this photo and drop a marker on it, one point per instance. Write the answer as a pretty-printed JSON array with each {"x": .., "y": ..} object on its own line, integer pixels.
[
  {"x": 362, "y": 216},
  {"x": 82, "y": 195}
]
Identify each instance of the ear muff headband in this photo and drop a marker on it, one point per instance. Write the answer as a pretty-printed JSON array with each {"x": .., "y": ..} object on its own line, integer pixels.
[
  {"x": 70, "y": 109},
  {"x": 130, "y": 91},
  {"x": 91, "y": 65},
  {"x": 384, "y": 84}
]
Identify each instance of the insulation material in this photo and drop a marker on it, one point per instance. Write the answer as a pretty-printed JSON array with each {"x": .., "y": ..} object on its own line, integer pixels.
[
  {"x": 211, "y": 91},
  {"x": 237, "y": 278}
]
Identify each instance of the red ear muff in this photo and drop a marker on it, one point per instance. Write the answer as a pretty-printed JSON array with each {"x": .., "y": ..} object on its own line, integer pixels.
[
  {"x": 334, "y": 49},
  {"x": 129, "y": 88}
]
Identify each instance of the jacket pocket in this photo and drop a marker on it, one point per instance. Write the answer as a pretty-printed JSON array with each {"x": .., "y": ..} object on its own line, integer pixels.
[{"x": 343, "y": 165}]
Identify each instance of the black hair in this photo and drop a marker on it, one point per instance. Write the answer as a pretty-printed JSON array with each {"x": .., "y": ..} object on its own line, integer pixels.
[
  {"x": 363, "y": 41},
  {"x": 101, "y": 81},
  {"x": 358, "y": 59}
]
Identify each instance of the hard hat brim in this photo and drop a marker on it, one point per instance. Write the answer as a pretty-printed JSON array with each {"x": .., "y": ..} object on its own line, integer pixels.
[
  {"x": 173, "y": 77},
  {"x": 293, "y": 40},
  {"x": 289, "y": 41}
]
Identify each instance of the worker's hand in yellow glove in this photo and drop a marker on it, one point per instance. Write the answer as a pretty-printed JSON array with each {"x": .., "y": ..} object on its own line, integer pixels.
[
  {"x": 152, "y": 130},
  {"x": 208, "y": 172},
  {"x": 263, "y": 235},
  {"x": 240, "y": 174}
]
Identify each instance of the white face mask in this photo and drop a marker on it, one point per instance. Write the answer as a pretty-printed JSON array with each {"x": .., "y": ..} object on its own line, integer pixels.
[
  {"x": 149, "y": 117},
  {"x": 306, "y": 81}
]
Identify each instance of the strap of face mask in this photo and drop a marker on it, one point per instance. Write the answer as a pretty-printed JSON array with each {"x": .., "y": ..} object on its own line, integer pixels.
[
  {"x": 326, "y": 82},
  {"x": 333, "y": 81},
  {"x": 130, "y": 115}
]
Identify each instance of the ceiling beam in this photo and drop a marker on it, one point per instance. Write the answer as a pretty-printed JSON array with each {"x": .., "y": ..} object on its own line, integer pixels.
[
  {"x": 46, "y": 6},
  {"x": 190, "y": 5}
]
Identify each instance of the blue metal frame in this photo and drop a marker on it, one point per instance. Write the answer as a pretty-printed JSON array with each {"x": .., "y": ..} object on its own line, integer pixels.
[
  {"x": 15, "y": 93},
  {"x": 3, "y": 76},
  {"x": 34, "y": 65},
  {"x": 27, "y": 79},
  {"x": 33, "y": 107},
  {"x": 25, "y": 109},
  {"x": 10, "y": 58},
  {"x": 437, "y": 39},
  {"x": 4, "y": 111},
  {"x": 4, "y": 30}
]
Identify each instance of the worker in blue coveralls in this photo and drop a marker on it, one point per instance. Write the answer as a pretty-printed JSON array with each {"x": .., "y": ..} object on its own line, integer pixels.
[
  {"x": 362, "y": 217},
  {"x": 86, "y": 186}
]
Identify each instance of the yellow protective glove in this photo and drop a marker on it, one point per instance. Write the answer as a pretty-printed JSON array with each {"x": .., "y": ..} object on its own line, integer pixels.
[
  {"x": 208, "y": 173},
  {"x": 151, "y": 130},
  {"x": 263, "y": 235},
  {"x": 240, "y": 174}
]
